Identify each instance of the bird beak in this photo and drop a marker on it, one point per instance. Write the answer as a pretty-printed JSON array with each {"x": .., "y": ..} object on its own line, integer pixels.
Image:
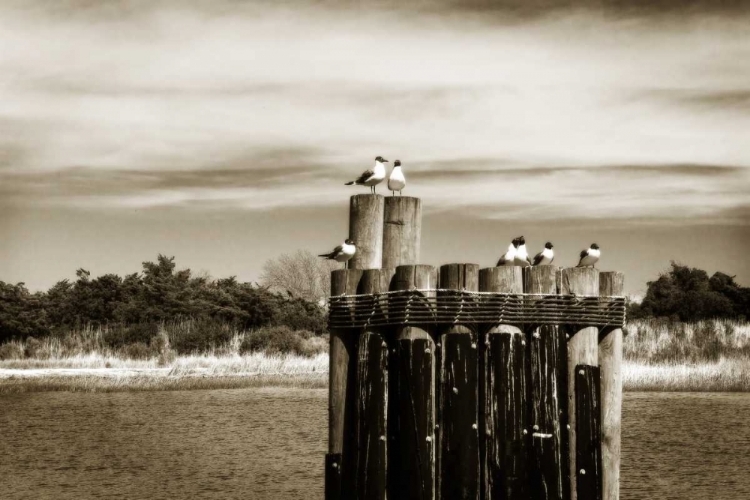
[{"x": 385, "y": 161}]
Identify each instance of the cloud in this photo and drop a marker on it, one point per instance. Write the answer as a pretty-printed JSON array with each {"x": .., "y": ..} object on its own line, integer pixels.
[{"x": 574, "y": 113}]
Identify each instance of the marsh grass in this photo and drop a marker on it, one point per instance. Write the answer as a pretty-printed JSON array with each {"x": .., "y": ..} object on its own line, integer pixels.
[
  {"x": 662, "y": 341},
  {"x": 660, "y": 355}
]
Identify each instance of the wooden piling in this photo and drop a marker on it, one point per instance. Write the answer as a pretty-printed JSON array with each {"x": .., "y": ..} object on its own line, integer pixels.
[
  {"x": 458, "y": 392},
  {"x": 366, "y": 229},
  {"x": 341, "y": 395},
  {"x": 610, "y": 363},
  {"x": 505, "y": 474},
  {"x": 370, "y": 460},
  {"x": 549, "y": 474},
  {"x": 402, "y": 231},
  {"x": 411, "y": 456},
  {"x": 583, "y": 349}
]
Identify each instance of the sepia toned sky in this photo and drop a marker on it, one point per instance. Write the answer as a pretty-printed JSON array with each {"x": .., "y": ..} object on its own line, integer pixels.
[{"x": 222, "y": 132}]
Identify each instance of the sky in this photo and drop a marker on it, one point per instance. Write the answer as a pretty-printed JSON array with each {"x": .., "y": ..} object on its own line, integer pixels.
[{"x": 222, "y": 132}]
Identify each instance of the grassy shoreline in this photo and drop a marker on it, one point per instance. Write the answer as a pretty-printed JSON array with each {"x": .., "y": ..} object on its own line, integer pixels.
[
  {"x": 660, "y": 355},
  {"x": 260, "y": 370}
]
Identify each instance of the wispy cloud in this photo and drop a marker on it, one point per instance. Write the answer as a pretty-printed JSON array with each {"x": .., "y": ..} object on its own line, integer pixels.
[{"x": 614, "y": 112}]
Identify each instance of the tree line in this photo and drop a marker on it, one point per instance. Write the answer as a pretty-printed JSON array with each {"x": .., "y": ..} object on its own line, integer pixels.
[
  {"x": 292, "y": 295},
  {"x": 688, "y": 294},
  {"x": 159, "y": 293}
]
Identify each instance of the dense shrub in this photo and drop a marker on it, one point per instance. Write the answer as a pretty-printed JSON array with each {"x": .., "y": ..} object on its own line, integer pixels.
[
  {"x": 118, "y": 335},
  {"x": 190, "y": 336},
  {"x": 276, "y": 340}
]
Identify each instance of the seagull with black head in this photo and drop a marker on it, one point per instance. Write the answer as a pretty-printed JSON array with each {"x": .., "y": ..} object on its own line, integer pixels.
[
  {"x": 590, "y": 256},
  {"x": 371, "y": 177},
  {"x": 342, "y": 253}
]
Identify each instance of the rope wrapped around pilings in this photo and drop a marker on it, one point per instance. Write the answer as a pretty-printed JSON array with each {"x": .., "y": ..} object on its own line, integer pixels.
[{"x": 447, "y": 307}]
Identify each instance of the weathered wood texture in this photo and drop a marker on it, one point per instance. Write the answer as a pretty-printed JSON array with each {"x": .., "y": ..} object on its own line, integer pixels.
[
  {"x": 402, "y": 231},
  {"x": 549, "y": 471},
  {"x": 342, "y": 353},
  {"x": 583, "y": 349},
  {"x": 458, "y": 395},
  {"x": 411, "y": 459},
  {"x": 333, "y": 476},
  {"x": 411, "y": 456},
  {"x": 504, "y": 381},
  {"x": 370, "y": 460},
  {"x": 341, "y": 387},
  {"x": 610, "y": 364},
  {"x": 366, "y": 229},
  {"x": 372, "y": 406},
  {"x": 588, "y": 433}
]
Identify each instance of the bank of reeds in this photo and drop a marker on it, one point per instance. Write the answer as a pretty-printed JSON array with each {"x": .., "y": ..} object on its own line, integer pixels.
[{"x": 660, "y": 355}]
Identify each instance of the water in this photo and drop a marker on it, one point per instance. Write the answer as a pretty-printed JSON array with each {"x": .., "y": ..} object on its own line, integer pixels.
[{"x": 270, "y": 443}]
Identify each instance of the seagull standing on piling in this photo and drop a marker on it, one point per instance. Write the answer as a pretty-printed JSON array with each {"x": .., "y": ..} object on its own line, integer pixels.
[
  {"x": 522, "y": 255},
  {"x": 342, "y": 253},
  {"x": 396, "y": 181},
  {"x": 373, "y": 176},
  {"x": 590, "y": 256},
  {"x": 546, "y": 256},
  {"x": 510, "y": 254}
]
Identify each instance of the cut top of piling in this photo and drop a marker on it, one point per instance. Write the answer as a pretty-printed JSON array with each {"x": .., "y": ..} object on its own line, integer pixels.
[
  {"x": 366, "y": 229},
  {"x": 402, "y": 231}
]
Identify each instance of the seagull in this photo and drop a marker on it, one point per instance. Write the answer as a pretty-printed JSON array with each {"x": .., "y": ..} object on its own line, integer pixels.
[
  {"x": 507, "y": 258},
  {"x": 396, "y": 181},
  {"x": 342, "y": 253},
  {"x": 373, "y": 176},
  {"x": 522, "y": 255},
  {"x": 590, "y": 256},
  {"x": 546, "y": 256}
]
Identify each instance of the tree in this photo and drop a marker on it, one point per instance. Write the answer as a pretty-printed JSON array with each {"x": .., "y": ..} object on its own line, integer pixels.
[
  {"x": 301, "y": 274},
  {"x": 688, "y": 294}
]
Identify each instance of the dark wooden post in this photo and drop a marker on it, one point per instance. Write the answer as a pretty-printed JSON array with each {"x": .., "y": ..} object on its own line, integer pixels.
[
  {"x": 366, "y": 229},
  {"x": 505, "y": 403},
  {"x": 458, "y": 391},
  {"x": 583, "y": 351},
  {"x": 411, "y": 456},
  {"x": 402, "y": 231},
  {"x": 610, "y": 363},
  {"x": 372, "y": 397},
  {"x": 549, "y": 475},
  {"x": 341, "y": 374}
]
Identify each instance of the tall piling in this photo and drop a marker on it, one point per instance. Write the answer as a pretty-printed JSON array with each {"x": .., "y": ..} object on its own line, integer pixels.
[
  {"x": 341, "y": 393},
  {"x": 458, "y": 388},
  {"x": 610, "y": 364},
  {"x": 366, "y": 229},
  {"x": 505, "y": 425},
  {"x": 411, "y": 456},
  {"x": 371, "y": 446},
  {"x": 402, "y": 231},
  {"x": 583, "y": 385},
  {"x": 549, "y": 476}
]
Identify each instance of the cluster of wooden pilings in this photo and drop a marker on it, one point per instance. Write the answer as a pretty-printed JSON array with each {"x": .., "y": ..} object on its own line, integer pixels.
[{"x": 468, "y": 411}]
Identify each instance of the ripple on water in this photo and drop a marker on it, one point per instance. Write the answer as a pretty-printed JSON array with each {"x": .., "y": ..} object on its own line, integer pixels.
[{"x": 269, "y": 444}]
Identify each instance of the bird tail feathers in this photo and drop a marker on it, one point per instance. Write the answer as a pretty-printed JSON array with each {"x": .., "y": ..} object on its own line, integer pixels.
[
  {"x": 326, "y": 255},
  {"x": 349, "y": 183}
]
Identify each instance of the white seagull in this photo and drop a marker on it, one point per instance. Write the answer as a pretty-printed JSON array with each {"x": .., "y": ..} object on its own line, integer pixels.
[
  {"x": 522, "y": 255},
  {"x": 510, "y": 254},
  {"x": 590, "y": 256},
  {"x": 546, "y": 256},
  {"x": 342, "y": 253},
  {"x": 373, "y": 176},
  {"x": 396, "y": 181}
]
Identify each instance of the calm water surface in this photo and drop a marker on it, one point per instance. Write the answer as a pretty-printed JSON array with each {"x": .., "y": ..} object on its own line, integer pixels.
[{"x": 270, "y": 443}]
